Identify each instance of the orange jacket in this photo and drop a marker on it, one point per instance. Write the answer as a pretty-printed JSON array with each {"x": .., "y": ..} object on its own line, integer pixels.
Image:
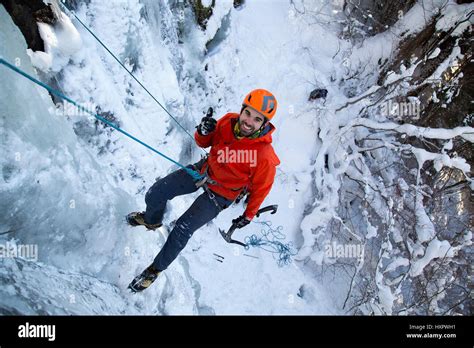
[{"x": 238, "y": 163}]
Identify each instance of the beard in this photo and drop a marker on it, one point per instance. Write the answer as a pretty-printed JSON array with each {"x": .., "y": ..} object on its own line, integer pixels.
[{"x": 245, "y": 131}]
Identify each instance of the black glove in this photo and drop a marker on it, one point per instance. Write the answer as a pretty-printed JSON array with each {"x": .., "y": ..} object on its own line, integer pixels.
[
  {"x": 241, "y": 221},
  {"x": 207, "y": 125}
]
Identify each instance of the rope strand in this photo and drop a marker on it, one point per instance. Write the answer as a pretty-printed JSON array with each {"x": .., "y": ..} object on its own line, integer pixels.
[
  {"x": 123, "y": 66},
  {"x": 270, "y": 242},
  {"x": 191, "y": 172}
]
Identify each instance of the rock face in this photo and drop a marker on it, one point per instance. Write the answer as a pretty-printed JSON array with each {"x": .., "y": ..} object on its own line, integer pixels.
[
  {"x": 202, "y": 12},
  {"x": 378, "y": 15},
  {"x": 318, "y": 93},
  {"x": 238, "y": 3},
  {"x": 25, "y": 14}
]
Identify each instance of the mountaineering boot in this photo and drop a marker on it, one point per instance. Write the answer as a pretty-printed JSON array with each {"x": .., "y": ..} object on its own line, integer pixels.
[
  {"x": 137, "y": 219},
  {"x": 144, "y": 280}
]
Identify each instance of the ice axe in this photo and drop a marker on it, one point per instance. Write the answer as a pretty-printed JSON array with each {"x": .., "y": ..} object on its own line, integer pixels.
[
  {"x": 228, "y": 235},
  {"x": 210, "y": 112}
]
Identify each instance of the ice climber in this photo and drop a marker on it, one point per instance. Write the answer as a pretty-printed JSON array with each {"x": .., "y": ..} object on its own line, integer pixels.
[{"x": 241, "y": 162}]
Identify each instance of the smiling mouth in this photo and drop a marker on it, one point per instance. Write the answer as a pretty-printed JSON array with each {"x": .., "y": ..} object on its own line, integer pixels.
[{"x": 246, "y": 128}]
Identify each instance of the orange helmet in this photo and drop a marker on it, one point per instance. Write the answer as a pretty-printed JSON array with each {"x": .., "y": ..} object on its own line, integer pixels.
[{"x": 261, "y": 101}]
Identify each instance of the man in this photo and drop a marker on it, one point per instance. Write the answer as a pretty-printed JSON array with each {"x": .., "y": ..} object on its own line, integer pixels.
[{"x": 241, "y": 160}]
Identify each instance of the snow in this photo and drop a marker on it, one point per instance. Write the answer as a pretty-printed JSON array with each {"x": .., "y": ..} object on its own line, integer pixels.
[
  {"x": 385, "y": 294},
  {"x": 61, "y": 41},
  {"x": 411, "y": 130},
  {"x": 206, "y": 3},
  {"x": 435, "y": 53},
  {"x": 72, "y": 176},
  {"x": 440, "y": 160},
  {"x": 455, "y": 14},
  {"x": 448, "y": 145},
  {"x": 47, "y": 289},
  {"x": 450, "y": 61},
  {"x": 371, "y": 231},
  {"x": 436, "y": 249},
  {"x": 468, "y": 238},
  {"x": 398, "y": 262},
  {"x": 69, "y": 40},
  {"x": 219, "y": 11},
  {"x": 402, "y": 184},
  {"x": 82, "y": 183}
]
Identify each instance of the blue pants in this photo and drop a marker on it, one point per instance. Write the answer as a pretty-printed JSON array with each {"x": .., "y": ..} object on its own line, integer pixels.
[{"x": 202, "y": 211}]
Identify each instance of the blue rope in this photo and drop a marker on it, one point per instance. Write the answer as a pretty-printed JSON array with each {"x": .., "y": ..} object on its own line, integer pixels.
[
  {"x": 123, "y": 66},
  {"x": 191, "y": 172},
  {"x": 270, "y": 242}
]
